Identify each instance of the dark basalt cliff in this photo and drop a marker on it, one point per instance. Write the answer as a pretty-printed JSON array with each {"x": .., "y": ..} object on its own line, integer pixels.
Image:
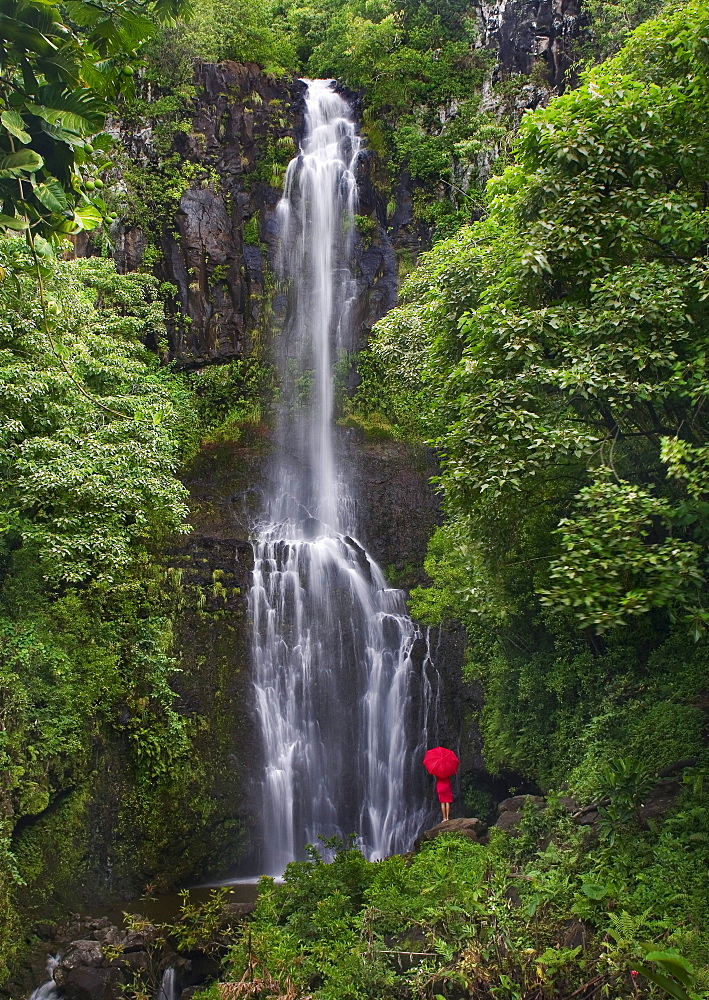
[
  {"x": 528, "y": 33},
  {"x": 219, "y": 246},
  {"x": 217, "y": 262}
]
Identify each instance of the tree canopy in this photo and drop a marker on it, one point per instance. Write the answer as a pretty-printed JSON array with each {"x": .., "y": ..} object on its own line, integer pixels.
[
  {"x": 556, "y": 348},
  {"x": 59, "y": 63},
  {"x": 554, "y": 355}
]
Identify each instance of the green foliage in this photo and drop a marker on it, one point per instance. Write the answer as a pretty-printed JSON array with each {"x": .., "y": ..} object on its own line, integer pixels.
[
  {"x": 200, "y": 926},
  {"x": 239, "y": 30},
  {"x": 91, "y": 433},
  {"x": 610, "y": 23},
  {"x": 485, "y": 920},
  {"x": 252, "y": 235},
  {"x": 554, "y": 355},
  {"x": 624, "y": 783},
  {"x": 230, "y": 398},
  {"x": 60, "y": 62},
  {"x": 668, "y": 970},
  {"x": 574, "y": 352}
]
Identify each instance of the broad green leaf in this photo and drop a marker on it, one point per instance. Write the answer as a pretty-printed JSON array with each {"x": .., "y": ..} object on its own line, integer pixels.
[
  {"x": 77, "y": 110},
  {"x": 594, "y": 890},
  {"x": 673, "y": 963},
  {"x": 24, "y": 36},
  {"x": 85, "y": 14},
  {"x": 26, "y": 161},
  {"x": 15, "y": 125},
  {"x": 51, "y": 194},
  {"x": 12, "y": 222},
  {"x": 670, "y": 986},
  {"x": 72, "y": 139},
  {"x": 88, "y": 217}
]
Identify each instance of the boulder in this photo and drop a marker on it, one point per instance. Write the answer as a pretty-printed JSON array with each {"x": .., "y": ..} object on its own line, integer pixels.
[
  {"x": 84, "y": 974},
  {"x": 509, "y": 822},
  {"x": 510, "y": 812},
  {"x": 586, "y": 817},
  {"x": 472, "y": 828},
  {"x": 568, "y": 804},
  {"x": 79, "y": 953},
  {"x": 110, "y": 935},
  {"x": 88, "y": 982},
  {"x": 138, "y": 940},
  {"x": 516, "y": 803}
]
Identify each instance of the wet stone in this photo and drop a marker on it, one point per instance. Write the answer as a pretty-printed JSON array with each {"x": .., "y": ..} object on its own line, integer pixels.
[{"x": 470, "y": 827}]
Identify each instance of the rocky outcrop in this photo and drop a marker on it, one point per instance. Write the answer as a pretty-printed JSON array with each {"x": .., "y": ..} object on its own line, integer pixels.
[
  {"x": 218, "y": 246},
  {"x": 397, "y": 509},
  {"x": 656, "y": 802},
  {"x": 511, "y": 811},
  {"x": 92, "y": 958},
  {"x": 218, "y": 243},
  {"x": 531, "y": 34},
  {"x": 471, "y": 828}
]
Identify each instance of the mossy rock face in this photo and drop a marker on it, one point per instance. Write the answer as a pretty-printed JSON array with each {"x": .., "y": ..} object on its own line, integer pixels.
[
  {"x": 214, "y": 236},
  {"x": 152, "y": 793},
  {"x": 53, "y": 853},
  {"x": 397, "y": 506},
  {"x": 226, "y": 483},
  {"x": 213, "y": 685},
  {"x": 34, "y": 799}
]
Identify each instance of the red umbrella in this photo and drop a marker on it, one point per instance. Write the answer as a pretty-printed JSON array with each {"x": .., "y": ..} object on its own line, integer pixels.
[{"x": 440, "y": 762}]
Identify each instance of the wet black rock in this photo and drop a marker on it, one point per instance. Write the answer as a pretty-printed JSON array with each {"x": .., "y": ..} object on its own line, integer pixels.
[
  {"x": 100, "y": 967},
  {"x": 526, "y": 33}
]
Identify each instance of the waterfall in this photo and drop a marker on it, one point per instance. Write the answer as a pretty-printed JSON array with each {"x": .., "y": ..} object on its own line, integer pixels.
[
  {"x": 49, "y": 989},
  {"x": 344, "y": 685},
  {"x": 169, "y": 985}
]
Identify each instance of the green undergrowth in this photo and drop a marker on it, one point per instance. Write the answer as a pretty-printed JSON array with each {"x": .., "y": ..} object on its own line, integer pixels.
[
  {"x": 104, "y": 783},
  {"x": 502, "y": 920},
  {"x": 374, "y": 426},
  {"x": 554, "y": 355},
  {"x": 232, "y": 400}
]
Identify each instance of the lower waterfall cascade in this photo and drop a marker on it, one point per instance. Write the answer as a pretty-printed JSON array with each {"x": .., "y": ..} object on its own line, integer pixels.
[{"x": 346, "y": 692}]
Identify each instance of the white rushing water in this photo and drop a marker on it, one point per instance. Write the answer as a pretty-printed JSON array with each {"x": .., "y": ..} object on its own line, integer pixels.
[
  {"x": 342, "y": 675},
  {"x": 169, "y": 988},
  {"x": 49, "y": 989}
]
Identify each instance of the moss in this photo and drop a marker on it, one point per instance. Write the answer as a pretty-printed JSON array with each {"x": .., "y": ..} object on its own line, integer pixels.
[
  {"x": 405, "y": 262},
  {"x": 52, "y": 856},
  {"x": 122, "y": 789},
  {"x": 252, "y": 235},
  {"x": 374, "y": 426}
]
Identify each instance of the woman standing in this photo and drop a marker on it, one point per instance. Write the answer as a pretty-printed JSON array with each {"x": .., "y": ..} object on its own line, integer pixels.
[
  {"x": 442, "y": 763},
  {"x": 444, "y": 791}
]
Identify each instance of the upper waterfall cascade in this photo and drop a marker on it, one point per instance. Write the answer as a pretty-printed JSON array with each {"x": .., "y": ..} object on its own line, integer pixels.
[{"x": 343, "y": 678}]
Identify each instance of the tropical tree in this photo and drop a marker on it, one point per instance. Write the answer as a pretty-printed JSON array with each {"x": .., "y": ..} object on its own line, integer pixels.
[
  {"x": 556, "y": 350},
  {"x": 60, "y": 64}
]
